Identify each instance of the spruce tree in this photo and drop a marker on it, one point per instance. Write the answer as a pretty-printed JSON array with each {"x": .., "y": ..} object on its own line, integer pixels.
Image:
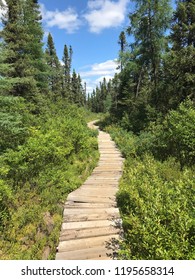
[
  {"x": 32, "y": 21},
  {"x": 122, "y": 42},
  {"x": 6, "y": 83},
  {"x": 55, "y": 72},
  {"x": 139, "y": 79},
  {"x": 77, "y": 92},
  {"x": 179, "y": 64},
  {"x": 67, "y": 59},
  {"x": 22, "y": 34},
  {"x": 148, "y": 25},
  {"x": 183, "y": 27}
]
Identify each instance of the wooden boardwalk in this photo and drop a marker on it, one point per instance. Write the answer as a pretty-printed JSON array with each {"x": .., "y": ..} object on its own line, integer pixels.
[{"x": 91, "y": 222}]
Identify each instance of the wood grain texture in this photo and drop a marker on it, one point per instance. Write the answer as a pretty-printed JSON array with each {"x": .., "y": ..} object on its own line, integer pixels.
[{"x": 91, "y": 221}]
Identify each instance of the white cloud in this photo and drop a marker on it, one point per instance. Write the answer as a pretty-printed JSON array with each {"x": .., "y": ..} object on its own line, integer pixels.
[
  {"x": 95, "y": 73},
  {"x": 67, "y": 19},
  {"x": 3, "y": 8},
  {"x": 61, "y": 62},
  {"x": 105, "y": 14},
  {"x": 101, "y": 69}
]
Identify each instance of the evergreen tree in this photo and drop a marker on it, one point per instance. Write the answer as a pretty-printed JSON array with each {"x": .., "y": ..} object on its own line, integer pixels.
[
  {"x": 6, "y": 83},
  {"x": 179, "y": 63},
  {"x": 183, "y": 27},
  {"x": 148, "y": 25},
  {"x": 67, "y": 59},
  {"x": 77, "y": 91},
  {"x": 137, "y": 89},
  {"x": 82, "y": 91},
  {"x": 122, "y": 42},
  {"x": 55, "y": 71},
  {"x": 32, "y": 21},
  {"x": 75, "y": 98},
  {"x": 22, "y": 34}
]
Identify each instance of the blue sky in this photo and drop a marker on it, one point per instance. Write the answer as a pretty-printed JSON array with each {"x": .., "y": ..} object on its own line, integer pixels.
[{"x": 92, "y": 28}]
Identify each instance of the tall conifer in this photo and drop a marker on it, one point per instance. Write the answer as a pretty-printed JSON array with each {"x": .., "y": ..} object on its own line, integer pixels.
[
  {"x": 22, "y": 35},
  {"x": 55, "y": 72}
]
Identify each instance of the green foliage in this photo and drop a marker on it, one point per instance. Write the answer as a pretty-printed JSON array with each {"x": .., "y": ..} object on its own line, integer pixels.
[
  {"x": 183, "y": 29},
  {"x": 156, "y": 198},
  {"x": 125, "y": 141},
  {"x": 22, "y": 35},
  {"x": 100, "y": 101},
  {"x": 55, "y": 76},
  {"x": 132, "y": 145},
  {"x": 37, "y": 176},
  {"x": 5, "y": 199},
  {"x": 156, "y": 202},
  {"x": 172, "y": 137},
  {"x": 157, "y": 70},
  {"x": 14, "y": 120},
  {"x": 176, "y": 136}
]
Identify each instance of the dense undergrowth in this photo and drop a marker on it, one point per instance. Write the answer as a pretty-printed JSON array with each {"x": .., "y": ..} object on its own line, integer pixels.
[
  {"x": 52, "y": 155},
  {"x": 157, "y": 189}
]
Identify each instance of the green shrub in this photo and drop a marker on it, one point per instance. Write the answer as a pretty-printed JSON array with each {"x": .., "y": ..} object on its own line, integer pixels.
[
  {"x": 126, "y": 141},
  {"x": 56, "y": 157},
  {"x": 14, "y": 119},
  {"x": 176, "y": 136},
  {"x": 5, "y": 199},
  {"x": 156, "y": 198},
  {"x": 157, "y": 210}
]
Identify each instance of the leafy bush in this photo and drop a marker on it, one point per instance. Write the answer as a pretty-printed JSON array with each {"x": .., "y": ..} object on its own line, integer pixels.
[
  {"x": 5, "y": 199},
  {"x": 14, "y": 119},
  {"x": 156, "y": 202},
  {"x": 126, "y": 141},
  {"x": 156, "y": 198},
  {"x": 176, "y": 136},
  {"x": 57, "y": 156}
]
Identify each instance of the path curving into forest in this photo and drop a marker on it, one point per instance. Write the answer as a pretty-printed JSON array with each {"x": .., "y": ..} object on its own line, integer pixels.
[{"x": 91, "y": 222}]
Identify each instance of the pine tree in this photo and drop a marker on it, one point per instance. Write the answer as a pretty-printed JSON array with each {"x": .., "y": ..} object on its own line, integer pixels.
[
  {"x": 55, "y": 71},
  {"x": 179, "y": 64},
  {"x": 122, "y": 42},
  {"x": 183, "y": 27},
  {"x": 67, "y": 59},
  {"x": 148, "y": 25},
  {"x": 32, "y": 21},
  {"x": 6, "y": 83},
  {"x": 22, "y": 34},
  {"x": 77, "y": 91}
]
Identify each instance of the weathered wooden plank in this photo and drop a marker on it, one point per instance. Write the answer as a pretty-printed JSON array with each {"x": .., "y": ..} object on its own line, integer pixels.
[
  {"x": 91, "y": 232},
  {"x": 104, "y": 177},
  {"x": 108, "y": 169},
  {"x": 88, "y": 224},
  {"x": 88, "y": 198},
  {"x": 92, "y": 190},
  {"x": 98, "y": 195},
  {"x": 101, "y": 184},
  {"x": 109, "y": 172},
  {"x": 90, "y": 217},
  {"x": 73, "y": 205},
  {"x": 70, "y": 211},
  {"x": 96, "y": 253},
  {"x": 86, "y": 243},
  {"x": 108, "y": 181}
]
